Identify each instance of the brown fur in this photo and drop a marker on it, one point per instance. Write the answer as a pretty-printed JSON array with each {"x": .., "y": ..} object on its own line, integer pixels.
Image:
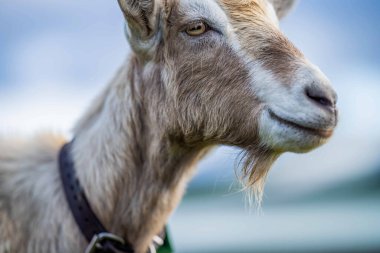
[{"x": 261, "y": 37}]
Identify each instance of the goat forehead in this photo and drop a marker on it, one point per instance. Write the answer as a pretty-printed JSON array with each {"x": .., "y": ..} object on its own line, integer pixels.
[
  {"x": 209, "y": 9},
  {"x": 217, "y": 8},
  {"x": 229, "y": 16},
  {"x": 256, "y": 25},
  {"x": 250, "y": 11}
]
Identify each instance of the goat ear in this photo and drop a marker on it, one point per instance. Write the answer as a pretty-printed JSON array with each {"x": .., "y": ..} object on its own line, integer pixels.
[
  {"x": 282, "y": 7},
  {"x": 142, "y": 22}
]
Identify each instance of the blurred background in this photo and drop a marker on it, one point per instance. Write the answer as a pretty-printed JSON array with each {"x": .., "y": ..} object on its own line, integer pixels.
[{"x": 55, "y": 56}]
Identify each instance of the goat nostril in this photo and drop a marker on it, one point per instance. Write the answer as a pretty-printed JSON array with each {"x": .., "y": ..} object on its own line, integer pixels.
[
  {"x": 322, "y": 101},
  {"x": 320, "y": 96}
]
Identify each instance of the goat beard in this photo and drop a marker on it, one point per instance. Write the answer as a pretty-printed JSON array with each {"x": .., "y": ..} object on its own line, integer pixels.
[{"x": 256, "y": 164}]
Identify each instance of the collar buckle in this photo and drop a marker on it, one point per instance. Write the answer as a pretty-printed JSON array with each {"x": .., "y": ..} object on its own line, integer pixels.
[{"x": 97, "y": 242}]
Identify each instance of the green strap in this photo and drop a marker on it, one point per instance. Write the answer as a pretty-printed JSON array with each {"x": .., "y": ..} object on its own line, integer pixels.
[{"x": 166, "y": 247}]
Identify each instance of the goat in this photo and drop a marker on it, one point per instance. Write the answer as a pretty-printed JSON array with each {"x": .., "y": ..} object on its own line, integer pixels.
[{"x": 201, "y": 73}]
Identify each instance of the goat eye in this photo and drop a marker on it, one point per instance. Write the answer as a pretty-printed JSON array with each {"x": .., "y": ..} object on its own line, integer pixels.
[{"x": 196, "y": 29}]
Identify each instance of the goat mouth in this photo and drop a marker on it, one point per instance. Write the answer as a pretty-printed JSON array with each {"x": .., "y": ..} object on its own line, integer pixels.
[{"x": 323, "y": 133}]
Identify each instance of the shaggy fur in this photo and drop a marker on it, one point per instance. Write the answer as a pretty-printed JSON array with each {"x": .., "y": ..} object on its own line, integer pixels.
[{"x": 173, "y": 100}]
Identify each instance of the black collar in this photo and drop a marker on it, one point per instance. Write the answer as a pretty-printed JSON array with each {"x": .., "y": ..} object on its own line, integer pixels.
[{"x": 99, "y": 239}]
